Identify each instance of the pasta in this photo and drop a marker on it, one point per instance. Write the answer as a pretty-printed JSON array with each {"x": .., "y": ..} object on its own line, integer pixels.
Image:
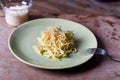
[{"x": 55, "y": 43}]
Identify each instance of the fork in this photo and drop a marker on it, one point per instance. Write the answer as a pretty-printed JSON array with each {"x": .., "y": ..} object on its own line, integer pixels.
[{"x": 100, "y": 51}]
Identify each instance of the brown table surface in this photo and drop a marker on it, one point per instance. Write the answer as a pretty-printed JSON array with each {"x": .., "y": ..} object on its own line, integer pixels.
[{"x": 101, "y": 18}]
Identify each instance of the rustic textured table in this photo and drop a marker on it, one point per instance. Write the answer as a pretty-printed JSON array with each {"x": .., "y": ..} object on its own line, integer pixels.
[{"x": 101, "y": 18}]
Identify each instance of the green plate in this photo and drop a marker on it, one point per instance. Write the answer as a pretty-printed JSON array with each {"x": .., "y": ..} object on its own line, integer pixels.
[{"x": 25, "y": 36}]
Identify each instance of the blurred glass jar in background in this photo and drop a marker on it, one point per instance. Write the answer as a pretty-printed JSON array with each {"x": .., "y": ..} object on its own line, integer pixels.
[{"x": 16, "y": 11}]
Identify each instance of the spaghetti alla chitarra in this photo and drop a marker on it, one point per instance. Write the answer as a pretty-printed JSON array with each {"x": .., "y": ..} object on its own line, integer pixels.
[{"x": 55, "y": 43}]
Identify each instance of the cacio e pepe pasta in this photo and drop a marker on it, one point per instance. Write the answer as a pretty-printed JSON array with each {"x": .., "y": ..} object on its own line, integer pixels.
[{"x": 55, "y": 43}]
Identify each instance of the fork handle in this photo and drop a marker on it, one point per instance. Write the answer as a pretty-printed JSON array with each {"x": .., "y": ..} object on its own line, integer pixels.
[{"x": 113, "y": 58}]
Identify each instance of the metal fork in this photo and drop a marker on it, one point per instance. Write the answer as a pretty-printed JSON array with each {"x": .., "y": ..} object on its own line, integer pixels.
[{"x": 100, "y": 51}]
